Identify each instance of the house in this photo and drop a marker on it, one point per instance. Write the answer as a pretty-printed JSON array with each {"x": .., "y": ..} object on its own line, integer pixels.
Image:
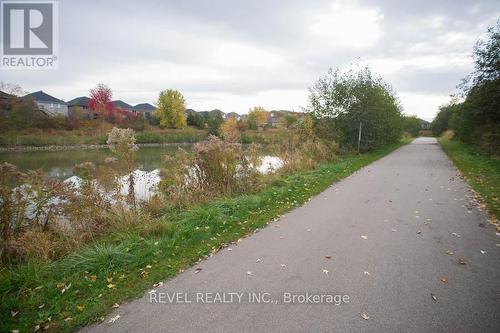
[
  {"x": 122, "y": 105},
  {"x": 79, "y": 106},
  {"x": 424, "y": 124},
  {"x": 6, "y": 100},
  {"x": 145, "y": 109},
  {"x": 49, "y": 104},
  {"x": 234, "y": 115},
  {"x": 273, "y": 118}
]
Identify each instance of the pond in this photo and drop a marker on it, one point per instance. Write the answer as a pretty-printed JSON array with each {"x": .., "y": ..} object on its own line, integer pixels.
[{"x": 59, "y": 164}]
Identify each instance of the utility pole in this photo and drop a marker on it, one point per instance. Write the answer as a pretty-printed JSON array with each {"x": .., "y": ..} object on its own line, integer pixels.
[{"x": 359, "y": 136}]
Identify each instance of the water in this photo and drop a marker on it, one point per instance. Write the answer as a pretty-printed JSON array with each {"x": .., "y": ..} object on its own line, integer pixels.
[{"x": 59, "y": 164}]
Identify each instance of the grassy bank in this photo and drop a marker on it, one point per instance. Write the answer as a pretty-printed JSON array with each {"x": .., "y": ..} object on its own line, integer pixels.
[
  {"x": 482, "y": 171},
  {"x": 79, "y": 288},
  {"x": 75, "y": 138}
]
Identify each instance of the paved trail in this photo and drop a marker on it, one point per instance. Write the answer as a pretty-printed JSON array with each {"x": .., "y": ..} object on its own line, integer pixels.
[{"x": 414, "y": 189}]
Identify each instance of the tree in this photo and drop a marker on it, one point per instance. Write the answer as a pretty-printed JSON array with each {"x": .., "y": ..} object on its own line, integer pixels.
[
  {"x": 288, "y": 120},
  {"x": 442, "y": 120},
  {"x": 229, "y": 130},
  {"x": 357, "y": 96},
  {"x": 215, "y": 121},
  {"x": 257, "y": 116},
  {"x": 306, "y": 129},
  {"x": 171, "y": 109},
  {"x": 100, "y": 99},
  {"x": 12, "y": 89},
  {"x": 477, "y": 119},
  {"x": 486, "y": 56},
  {"x": 411, "y": 124}
]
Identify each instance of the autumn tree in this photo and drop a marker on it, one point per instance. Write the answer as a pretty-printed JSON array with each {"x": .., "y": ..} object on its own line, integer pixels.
[
  {"x": 100, "y": 99},
  {"x": 257, "y": 117},
  {"x": 229, "y": 130},
  {"x": 306, "y": 128},
  {"x": 171, "y": 109}
]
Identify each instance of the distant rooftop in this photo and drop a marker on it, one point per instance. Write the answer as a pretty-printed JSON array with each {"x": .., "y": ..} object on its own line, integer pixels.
[
  {"x": 146, "y": 107},
  {"x": 79, "y": 101},
  {"x": 122, "y": 105},
  {"x": 40, "y": 96}
]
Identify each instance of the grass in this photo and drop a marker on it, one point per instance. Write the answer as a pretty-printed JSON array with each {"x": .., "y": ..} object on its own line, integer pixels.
[
  {"x": 79, "y": 289},
  {"x": 38, "y": 138},
  {"x": 481, "y": 171}
]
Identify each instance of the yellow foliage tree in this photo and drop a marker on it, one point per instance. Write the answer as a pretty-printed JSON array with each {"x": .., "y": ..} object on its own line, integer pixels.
[
  {"x": 229, "y": 130},
  {"x": 307, "y": 128},
  {"x": 171, "y": 109},
  {"x": 257, "y": 117}
]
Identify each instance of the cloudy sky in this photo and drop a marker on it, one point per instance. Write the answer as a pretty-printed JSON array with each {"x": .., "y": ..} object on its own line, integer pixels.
[{"x": 233, "y": 54}]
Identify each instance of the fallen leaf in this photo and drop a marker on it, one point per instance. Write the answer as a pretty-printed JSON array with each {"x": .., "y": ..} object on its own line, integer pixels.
[
  {"x": 36, "y": 328},
  {"x": 393, "y": 230},
  {"x": 80, "y": 307},
  {"x": 283, "y": 265},
  {"x": 365, "y": 316},
  {"x": 455, "y": 234},
  {"x": 364, "y": 237},
  {"x": 444, "y": 279},
  {"x": 434, "y": 297},
  {"x": 419, "y": 232},
  {"x": 328, "y": 257},
  {"x": 68, "y": 319},
  {"x": 115, "y": 318},
  {"x": 462, "y": 261},
  {"x": 14, "y": 313},
  {"x": 93, "y": 277},
  {"x": 325, "y": 271},
  {"x": 196, "y": 271},
  {"x": 483, "y": 252},
  {"x": 258, "y": 260},
  {"x": 229, "y": 249},
  {"x": 281, "y": 237},
  {"x": 111, "y": 286},
  {"x": 159, "y": 284},
  {"x": 116, "y": 305},
  {"x": 366, "y": 273},
  {"x": 41, "y": 306},
  {"x": 450, "y": 253},
  {"x": 249, "y": 273}
]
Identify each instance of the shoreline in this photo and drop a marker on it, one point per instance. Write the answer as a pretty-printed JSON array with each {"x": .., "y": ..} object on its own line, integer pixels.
[{"x": 20, "y": 149}]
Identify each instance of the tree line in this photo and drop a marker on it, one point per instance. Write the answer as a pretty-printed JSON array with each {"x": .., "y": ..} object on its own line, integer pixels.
[{"x": 474, "y": 113}]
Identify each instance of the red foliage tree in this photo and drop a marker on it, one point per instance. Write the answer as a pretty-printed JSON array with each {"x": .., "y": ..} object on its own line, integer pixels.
[{"x": 100, "y": 100}]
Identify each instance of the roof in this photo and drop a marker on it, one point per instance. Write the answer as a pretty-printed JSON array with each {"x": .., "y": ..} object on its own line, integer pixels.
[
  {"x": 40, "y": 96},
  {"x": 5, "y": 95},
  {"x": 145, "y": 107},
  {"x": 121, "y": 104},
  {"x": 79, "y": 101}
]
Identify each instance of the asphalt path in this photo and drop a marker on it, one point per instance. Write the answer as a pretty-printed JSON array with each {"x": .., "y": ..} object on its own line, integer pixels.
[{"x": 399, "y": 246}]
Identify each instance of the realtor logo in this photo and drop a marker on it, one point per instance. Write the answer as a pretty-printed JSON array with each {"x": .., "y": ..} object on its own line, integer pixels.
[{"x": 29, "y": 34}]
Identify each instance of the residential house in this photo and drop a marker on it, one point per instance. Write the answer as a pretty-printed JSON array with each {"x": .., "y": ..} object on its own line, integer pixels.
[
  {"x": 145, "y": 109},
  {"x": 122, "y": 105},
  {"x": 80, "y": 106},
  {"x": 49, "y": 104},
  {"x": 6, "y": 100},
  {"x": 424, "y": 124},
  {"x": 234, "y": 115}
]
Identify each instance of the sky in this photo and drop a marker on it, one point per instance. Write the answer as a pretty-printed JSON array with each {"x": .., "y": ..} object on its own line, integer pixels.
[{"x": 235, "y": 54}]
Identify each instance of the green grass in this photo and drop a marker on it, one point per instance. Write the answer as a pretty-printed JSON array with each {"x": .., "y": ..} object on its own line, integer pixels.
[
  {"x": 125, "y": 264},
  {"x": 482, "y": 171}
]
